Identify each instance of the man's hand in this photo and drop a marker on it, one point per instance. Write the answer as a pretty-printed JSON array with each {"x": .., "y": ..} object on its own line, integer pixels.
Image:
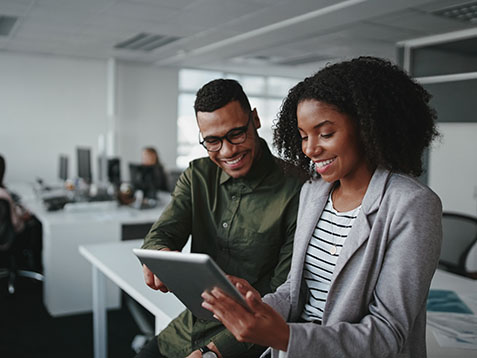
[
  {"x": 195, "y": 354},
  {"x": 152, "y": 280},
  {"x": 198, "y": 354}
]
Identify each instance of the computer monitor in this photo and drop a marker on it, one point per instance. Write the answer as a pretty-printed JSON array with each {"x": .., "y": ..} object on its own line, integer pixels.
[
  {"x": 63, "y": 168},
  {"x": 146, "y": 178},
  {"x": 114, "y": 171},
  {"x": 84, "y": 164}
]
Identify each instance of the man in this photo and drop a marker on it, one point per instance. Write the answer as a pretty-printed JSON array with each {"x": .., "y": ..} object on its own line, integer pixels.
[{"x": 240, "y": 209}]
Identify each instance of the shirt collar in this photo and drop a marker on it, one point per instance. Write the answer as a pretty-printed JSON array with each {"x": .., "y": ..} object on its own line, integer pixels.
[{"x": 260, "y": 168}]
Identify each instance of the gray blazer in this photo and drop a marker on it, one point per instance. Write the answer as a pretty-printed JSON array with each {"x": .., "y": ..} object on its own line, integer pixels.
[{"x": 376, "y": 305}]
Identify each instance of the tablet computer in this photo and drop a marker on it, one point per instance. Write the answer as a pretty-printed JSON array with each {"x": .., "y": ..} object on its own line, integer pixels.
[{"x": 187, "y": 276}]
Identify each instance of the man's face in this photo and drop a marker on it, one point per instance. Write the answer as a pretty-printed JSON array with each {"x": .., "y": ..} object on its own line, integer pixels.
[{"x": 235, "y": 159}]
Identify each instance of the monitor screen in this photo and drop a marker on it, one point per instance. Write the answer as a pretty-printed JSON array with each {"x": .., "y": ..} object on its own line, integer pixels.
[
  {"x": 146, "y": 178},
  {"x": 114, "y": 171},
  {"x": 84, "y": 164},
  {"x": 63, "y": 167}
]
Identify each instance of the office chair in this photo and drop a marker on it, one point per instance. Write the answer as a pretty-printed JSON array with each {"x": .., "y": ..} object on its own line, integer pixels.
[
  {"x": 459, "y": 235},
  {"x": 8, "y": 248},
  {"x": 144, "y": 320},
  {"x": 174, "y": 175}
]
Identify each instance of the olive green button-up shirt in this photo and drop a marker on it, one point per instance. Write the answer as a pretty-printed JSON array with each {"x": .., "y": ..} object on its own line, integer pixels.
[{"x": 246, "y": 225}]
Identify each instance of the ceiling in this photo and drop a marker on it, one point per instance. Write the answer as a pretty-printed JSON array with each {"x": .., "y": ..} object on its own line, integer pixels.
[{"x": 276, "y": 36}]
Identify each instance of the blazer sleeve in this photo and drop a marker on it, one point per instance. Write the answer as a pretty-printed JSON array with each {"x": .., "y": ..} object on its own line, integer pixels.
[{"x": 412, "y": 232}]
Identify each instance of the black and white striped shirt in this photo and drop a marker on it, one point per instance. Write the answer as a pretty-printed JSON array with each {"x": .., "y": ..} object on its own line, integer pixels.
[{"x": 323, "y": 250}]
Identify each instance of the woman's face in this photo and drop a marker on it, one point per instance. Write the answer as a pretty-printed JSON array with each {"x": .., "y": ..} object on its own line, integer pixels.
[
  {"x": 330, "y": 140},
  {"x": 148, "y": 158}
]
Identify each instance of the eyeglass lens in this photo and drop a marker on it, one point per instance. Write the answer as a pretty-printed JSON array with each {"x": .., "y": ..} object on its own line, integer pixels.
[{"x": 234, "y": 136}]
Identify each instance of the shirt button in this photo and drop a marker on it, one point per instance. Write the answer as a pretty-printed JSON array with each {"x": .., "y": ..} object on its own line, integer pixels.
[{"x": 225, "y": 225}]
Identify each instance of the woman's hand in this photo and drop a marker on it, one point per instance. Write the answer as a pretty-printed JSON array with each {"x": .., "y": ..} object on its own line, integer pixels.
[{"x": 258, "y": 323}]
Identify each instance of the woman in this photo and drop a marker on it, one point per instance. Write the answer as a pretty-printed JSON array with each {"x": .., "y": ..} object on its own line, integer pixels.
[
  {"x": 149, "y": 157},
  {"x": 27, "y": 228},
  {"x": 368, "y": 233},
  {"x": 18, "y": 214}
]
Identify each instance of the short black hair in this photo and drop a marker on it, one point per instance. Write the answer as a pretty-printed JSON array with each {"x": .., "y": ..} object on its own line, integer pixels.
[
  {"x": 218, "y": 93},
  {"x": 391, "y": 111}
]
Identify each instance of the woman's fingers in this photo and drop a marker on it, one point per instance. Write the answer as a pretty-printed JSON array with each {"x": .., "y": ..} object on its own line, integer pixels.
[
  {"x": 225, "y": 308},
  {"x": 260, "y": 324},
  {"x": 212, "y": 304},
  {"x": 253, "y": 302},
  {"x": 242, "y": 288}
]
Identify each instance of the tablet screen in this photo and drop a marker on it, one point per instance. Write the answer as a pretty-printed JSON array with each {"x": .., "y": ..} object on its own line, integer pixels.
[{"x": 187, "y": 276}]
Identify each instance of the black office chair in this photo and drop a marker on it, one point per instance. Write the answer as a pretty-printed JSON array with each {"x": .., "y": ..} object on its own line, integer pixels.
[
  {"x": 8, "y": 248},
  {"x": 144, "y": 320},
  {"x": 174, "y": 175},
  {"x": 459, "y": 236}
]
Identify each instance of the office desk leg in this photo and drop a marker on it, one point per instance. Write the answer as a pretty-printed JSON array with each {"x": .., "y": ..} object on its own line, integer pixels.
[{"x": 100, "y": 322}]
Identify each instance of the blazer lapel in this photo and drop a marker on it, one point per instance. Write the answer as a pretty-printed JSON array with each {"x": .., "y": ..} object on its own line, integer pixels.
[
  {"x": 361, "y": 228},
  {"x": 310, "y": 211}
]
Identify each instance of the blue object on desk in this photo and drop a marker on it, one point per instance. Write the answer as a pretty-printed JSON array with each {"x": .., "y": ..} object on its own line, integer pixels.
[{"x": 446, "y": 301}]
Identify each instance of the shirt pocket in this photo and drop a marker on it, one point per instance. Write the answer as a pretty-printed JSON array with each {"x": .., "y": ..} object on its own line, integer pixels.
[{"x": 253, "y": 253}]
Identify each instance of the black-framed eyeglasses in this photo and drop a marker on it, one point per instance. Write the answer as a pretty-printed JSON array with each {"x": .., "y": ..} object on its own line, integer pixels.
[{"x": 234, "y": 136}]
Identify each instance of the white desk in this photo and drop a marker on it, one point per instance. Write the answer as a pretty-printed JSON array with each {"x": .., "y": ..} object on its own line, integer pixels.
[
  {"x": 462, "y": 286},
  {"x": 117, "y": 262},
  {"x": 67, "y": 287}
]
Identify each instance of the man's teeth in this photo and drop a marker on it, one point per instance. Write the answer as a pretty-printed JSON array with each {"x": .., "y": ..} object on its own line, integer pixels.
[
  {"x": 232, "y": 162},
  {"x": 324, "y": 162}
]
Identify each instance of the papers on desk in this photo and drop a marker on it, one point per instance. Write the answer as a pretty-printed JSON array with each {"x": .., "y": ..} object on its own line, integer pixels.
[
  {"x": 453, "y": 323},
  {"x": 454, "y": 330}
]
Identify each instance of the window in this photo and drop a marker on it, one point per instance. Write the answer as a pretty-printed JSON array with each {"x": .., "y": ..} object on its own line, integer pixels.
[{"x": 264, "y": 93}]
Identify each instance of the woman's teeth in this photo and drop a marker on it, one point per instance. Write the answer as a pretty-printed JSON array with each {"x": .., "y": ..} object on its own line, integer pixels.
[{"x": 324, "y": 163}]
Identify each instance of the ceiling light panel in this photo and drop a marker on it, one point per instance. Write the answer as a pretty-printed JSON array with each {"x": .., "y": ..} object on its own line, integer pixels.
[
  {"x": 463, "y": 12},
  {"x": 146, "y": 42}
]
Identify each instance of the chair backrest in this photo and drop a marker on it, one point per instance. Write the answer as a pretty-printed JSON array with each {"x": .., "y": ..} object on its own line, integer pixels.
[
  {"x": 7, "y": 234},
  {"x": 459, "y": 235},
  {"x": 174, "y": 175}
]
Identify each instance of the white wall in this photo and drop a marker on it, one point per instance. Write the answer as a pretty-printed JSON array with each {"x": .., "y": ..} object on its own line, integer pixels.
[
  {"x": 453, "y": 167},
  {"x": 51, "y": 105},
  {"x": 147, "y": 112}
]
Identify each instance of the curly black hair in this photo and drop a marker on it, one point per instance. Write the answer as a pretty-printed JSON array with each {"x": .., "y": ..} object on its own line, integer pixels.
[
  {"x": 218, "y": 93},
  {"x": 392, "y": 113}
]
